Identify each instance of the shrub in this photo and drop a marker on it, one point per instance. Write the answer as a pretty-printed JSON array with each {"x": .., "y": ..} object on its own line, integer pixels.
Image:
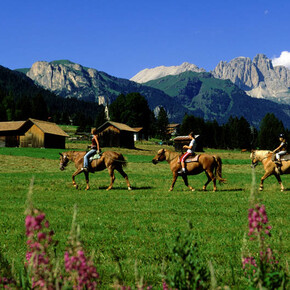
[{"x": 190, "y": 271}]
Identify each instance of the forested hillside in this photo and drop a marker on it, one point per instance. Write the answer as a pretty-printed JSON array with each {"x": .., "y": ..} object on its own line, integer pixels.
[
  {"x": 20, "y": 99},
  {"x": 214, "y": 99}
]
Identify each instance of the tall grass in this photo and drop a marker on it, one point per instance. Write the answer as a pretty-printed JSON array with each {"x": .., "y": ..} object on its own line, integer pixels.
[{"x": 137, "y": 229}]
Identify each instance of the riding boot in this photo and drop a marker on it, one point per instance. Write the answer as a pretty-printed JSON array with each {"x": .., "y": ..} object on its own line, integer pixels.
[
  {"x": 182, "y": 171},
  {"x": 279, "y": 166}
]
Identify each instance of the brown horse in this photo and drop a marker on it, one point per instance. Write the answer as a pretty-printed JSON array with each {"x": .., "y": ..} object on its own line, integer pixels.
[
  {"x": 211, "y": 165},
  {"x": 109, "y": 159},
  {"x": 270, "y": 167}
]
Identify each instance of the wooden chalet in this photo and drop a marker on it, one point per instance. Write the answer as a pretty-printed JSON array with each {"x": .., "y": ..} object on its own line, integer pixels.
[
  {"x": 32, "y": 133},
  {"x": 10, "y": 133},
  {"x": 172, "y": 129},
  {"x": 138, "y": 135},
  {"x": 113, "y": 134}
]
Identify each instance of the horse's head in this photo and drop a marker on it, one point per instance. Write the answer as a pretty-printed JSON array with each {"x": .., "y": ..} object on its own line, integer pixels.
[
  {"x": 259, "y": 155},
  {"x": 159, "y": 157},
  {"x": 63, "y": 161},
  {"x": 254, "y": 159}
]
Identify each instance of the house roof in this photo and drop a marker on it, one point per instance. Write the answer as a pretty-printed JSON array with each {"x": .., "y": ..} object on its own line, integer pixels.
[
  {"x": 181, "y": 138},
  {"x": 48, "y": 127},
  {"x": 138, "y": 129},
  {"x": 11, "y": 126},
  {"x": 184, "y": 138},
  {"x": 172, "y": 125},
  {"x": 120, "y": 126}
]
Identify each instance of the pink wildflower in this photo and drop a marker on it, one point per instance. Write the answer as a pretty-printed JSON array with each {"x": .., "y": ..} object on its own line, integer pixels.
[
  {"x": 85, "y": 270},
  {"x": 257, "y": 219},
  {"x": 37, "y": 256}
]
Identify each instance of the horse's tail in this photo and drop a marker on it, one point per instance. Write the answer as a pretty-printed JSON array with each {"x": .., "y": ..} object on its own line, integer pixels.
[
  {"x": 122, "y": 160},
  {"x": 218, "y": 169}
]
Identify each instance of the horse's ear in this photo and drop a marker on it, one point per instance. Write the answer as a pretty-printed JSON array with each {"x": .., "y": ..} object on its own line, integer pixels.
[{"x": 60, "y": 154}]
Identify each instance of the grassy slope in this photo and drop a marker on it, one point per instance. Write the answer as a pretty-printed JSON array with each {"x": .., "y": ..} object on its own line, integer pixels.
[{"x": 138, "y": 226}]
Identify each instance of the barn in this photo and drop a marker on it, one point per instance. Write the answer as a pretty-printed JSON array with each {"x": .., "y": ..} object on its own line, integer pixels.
[
  {"x": 32, "y": 133},
  {"x": 10, "y": 133},
  {"x": 113, "y": 134}
]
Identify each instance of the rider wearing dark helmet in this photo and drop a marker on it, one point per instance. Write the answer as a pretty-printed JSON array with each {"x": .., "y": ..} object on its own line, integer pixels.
[{"x": 281, "y": 149}]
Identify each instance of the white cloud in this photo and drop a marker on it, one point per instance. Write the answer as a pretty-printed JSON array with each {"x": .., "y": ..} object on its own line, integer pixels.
[{"x": 283, "y": 59}]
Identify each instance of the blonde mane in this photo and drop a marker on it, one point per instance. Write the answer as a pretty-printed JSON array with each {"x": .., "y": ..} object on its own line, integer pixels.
[{"x": 261, "y": 154}]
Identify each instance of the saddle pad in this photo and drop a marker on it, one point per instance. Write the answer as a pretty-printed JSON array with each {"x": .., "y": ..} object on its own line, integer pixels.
[
  {"x": 285, "y": 157},
  {"x": 192, "y": 158},
  {"x": 96, "y": 156}
]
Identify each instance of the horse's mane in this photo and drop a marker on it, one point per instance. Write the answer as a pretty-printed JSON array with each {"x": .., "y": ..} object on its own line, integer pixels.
[
  {"x": 171, "y": 153},
  {"x": 260, "y": 154}
]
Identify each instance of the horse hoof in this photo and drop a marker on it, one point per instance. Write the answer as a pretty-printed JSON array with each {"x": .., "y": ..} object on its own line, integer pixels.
[
  {"x": 129, "y": 188},
  {"x": 76, "y": 186},
  {"x": 170, "y": 189},
  {"x": 261, "y": 188},
  {"x": 192, "y": 189}
]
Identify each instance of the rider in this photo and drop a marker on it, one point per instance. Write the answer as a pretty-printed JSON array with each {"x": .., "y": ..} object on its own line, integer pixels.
[
  {"x": 281, "y": 149},
  {"x": 95, "y": 148},
  {"x": 190, "y": 151}
]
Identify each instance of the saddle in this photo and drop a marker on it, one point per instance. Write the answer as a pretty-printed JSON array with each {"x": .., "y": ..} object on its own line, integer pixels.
[
  {"x": 96, "y": 156},
  {"x": 190, "y": 159},
  {"x": 285, "y": 157}
]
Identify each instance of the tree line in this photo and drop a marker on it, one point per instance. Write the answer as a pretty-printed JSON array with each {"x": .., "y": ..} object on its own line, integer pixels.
[
  {"x": 132, "y": 109},
  {"x": 21, "y": 99}
]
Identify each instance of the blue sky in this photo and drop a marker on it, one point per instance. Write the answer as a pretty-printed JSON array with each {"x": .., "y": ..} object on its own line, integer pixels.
[{"x": 124, "y": 37}]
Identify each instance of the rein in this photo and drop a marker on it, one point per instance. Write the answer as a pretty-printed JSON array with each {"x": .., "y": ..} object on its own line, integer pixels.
[{"x": 172, "y": 158}]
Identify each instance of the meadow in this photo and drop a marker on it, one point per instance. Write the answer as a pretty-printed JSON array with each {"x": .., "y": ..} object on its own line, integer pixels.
[{"x": 132, "y": 232}]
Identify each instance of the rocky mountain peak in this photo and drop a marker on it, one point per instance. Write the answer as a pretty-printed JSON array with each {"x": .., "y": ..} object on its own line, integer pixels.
[
  {"x": 258, "y": 77},
  {"x": 162, "y": 71},
  {"x": 65, "y": 78}
]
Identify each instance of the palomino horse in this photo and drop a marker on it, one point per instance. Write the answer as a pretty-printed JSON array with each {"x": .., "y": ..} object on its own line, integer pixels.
[
  {"x": 109, "y": 159},
  {"x": 211, "y": 165},
  {"x": 270, "y": 167}
]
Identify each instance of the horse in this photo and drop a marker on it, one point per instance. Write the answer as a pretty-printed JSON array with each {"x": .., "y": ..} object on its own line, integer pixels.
[
  {"x": 109, "y": 159},
  {"x": 210, "y": 164},
  {"x": 270, "y": 167}
]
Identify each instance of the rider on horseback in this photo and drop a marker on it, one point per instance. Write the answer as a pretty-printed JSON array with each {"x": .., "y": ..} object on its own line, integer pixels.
[
  {"x": 190, "y": 151},
  {"x": 281, "y": 149},
  {"x": 95, "y": 148}
]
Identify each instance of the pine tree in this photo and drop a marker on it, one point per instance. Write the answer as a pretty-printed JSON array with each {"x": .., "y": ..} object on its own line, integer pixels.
[
  {"x": 162, "y": 124},
  {"x": 270, "y": 128}
]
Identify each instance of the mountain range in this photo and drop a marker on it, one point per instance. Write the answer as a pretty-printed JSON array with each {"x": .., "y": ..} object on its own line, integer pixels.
[
  {"x": 180, "y": 89},
  {"x": 257, "y": 77}
]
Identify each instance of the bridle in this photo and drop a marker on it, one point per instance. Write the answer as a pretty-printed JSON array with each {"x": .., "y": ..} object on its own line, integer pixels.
[
  {"x": 254, "y": 164},
  {"x": 163, "y": 154},
  {"x": 63, "y": 162}
]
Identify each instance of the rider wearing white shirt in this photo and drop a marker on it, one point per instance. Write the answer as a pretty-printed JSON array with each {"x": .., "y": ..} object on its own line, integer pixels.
[
  {"x": 282, "y": 148},
  {"x": 190, "y": 151}
]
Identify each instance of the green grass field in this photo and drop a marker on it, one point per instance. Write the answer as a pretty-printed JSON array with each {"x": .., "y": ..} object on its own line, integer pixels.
[{"x": 138, "y": 228}]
